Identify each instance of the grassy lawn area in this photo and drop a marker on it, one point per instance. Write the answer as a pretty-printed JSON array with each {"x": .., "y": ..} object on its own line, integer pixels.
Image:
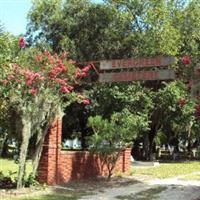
[
  {"x": 9, "y": 165},
  {"x": 68, "y": 195},
  {"x": 193, "y": 177},
  {"x": 167, "y": 170}
]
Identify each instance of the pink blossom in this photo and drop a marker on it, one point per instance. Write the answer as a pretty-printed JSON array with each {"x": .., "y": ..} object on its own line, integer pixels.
[
  {"x": 61, "y": 81},
  {"x": 36, "y": 75},
  {"x": 31, "y": 76},
  {"x": 34, "y": 91},
  {"x": 64, "y": 55},
  {"x": 186, "y": 60},
  {"x": 22, "y": 42},
  {"x": 15, "y": 66},
  {"x": 54, "y": 73},
  {"x": 80, "y": 96},
  {"x": 57, "y": 70},
  {"x": 51, "y": 59},
  {"x": 29, "y": 82},
  {"x": 72, "y": 62},
  {"x": 70, "y": 88},
  {"x": 61, "y": 67},
  {"x": 11, "y": 77},
  {"x": 83, "y": 74},
  {"x": 17, "y": 69},
  {"x": 49, "y": 56},
  {"x": 64, "y": 89},
  {"x": 86, "y": 102},
  {"x": 86, "y": 69},
  {"x": 78, "y": 73},
  {"x": 19, "y": 81},
  {"x": 47, "y": 53},
  {"x": 38, "y": 58}
]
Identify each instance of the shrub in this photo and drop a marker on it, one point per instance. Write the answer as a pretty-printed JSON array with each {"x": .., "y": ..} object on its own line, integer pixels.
[
  {"x": 6, "y": 181},
  {"x": 31, "y": 181},
  {"x": 112, "y": 136}
]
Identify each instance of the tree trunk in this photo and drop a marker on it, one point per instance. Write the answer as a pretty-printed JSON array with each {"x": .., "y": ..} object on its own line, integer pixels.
[
  {"x": 110, "y": 161},
  {"x": 4, "y": 147},
  {"x": 26, "y": 134},
  {"x": 83, "y": 143},
  {"x": 189, "y": 137},
  {"x": 145, "y": 147},
  {"x": 151, "y": 146},
  {"x": 152, "y": 136}
]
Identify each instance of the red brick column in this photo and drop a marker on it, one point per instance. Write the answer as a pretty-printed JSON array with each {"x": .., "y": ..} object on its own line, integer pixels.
[
  {"x": 126, "y": 160},
  {"x": 48, "y": 166}
]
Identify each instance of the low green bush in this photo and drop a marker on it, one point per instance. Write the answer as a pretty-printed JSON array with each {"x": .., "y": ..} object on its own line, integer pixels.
[{"x": 6, "y": 181}]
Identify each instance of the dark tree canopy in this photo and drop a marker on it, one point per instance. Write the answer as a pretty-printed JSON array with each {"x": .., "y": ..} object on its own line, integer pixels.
[{"x": 116, "y": 29}]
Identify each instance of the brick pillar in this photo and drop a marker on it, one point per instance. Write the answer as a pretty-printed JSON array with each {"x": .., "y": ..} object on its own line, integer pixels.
[
  {"x": 126, "y": 160},
  {"x": 48, "y": 166}
]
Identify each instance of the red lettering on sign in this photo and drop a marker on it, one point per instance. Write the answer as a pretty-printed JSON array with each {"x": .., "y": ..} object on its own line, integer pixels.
[
  {"x": 134, "y": 62},
  {"x": 128, "y": 76},
  {"x": 113, "y": 63},
  {"x": 129, "y": 62},
  {"x": 138, "y": 75},
  {"x": 157, "y": 62},
  {"x": 137, "y": 62}
]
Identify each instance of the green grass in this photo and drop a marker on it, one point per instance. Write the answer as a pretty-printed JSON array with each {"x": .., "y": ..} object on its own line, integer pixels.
[
  {"x": 168, "y": 170},
  {"x": 193, "y": 177},
  {"x": 9, "y": 166},
  {"x": 68, "y": 195},
  {"x": 149, "y": 194}
]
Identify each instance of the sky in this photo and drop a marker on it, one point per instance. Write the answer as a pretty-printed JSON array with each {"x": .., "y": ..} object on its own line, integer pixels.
[{"x": 13, "y": 15}]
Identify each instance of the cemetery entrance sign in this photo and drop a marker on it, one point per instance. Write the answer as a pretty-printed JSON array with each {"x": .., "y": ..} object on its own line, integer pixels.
[{"x": 152, "y": 64}]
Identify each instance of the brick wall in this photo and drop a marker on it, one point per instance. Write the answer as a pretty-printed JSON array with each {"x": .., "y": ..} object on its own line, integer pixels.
[{"x": 57, "y": 166}]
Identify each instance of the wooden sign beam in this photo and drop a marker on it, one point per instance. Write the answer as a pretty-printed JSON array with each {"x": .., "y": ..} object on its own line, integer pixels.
[
  {"x": 137, "y": 76},
  {"x": 136, "y": 63}
]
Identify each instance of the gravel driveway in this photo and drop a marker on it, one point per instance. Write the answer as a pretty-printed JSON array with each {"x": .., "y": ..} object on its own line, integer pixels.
[{"x": 165, "y": 189}]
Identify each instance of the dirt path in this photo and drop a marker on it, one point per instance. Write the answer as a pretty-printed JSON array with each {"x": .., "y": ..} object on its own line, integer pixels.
[
  {"x": 112, "y": 193},
  {"x": 165, "y": 189}
]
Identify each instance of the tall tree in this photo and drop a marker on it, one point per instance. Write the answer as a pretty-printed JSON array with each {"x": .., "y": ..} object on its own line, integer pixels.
[
  {"x": 120, "y": 29},
  {"x": 9, "y": 49},
  {"x": 114, "y": 29},
  {"x": 38, "y": 86}
]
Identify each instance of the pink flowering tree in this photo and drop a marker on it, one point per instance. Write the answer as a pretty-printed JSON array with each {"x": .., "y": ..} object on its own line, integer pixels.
[{"x": 39, "y": 92}]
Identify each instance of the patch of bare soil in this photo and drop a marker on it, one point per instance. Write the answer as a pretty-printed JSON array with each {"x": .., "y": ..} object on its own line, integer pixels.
[{"x": 97, "y": 184}]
